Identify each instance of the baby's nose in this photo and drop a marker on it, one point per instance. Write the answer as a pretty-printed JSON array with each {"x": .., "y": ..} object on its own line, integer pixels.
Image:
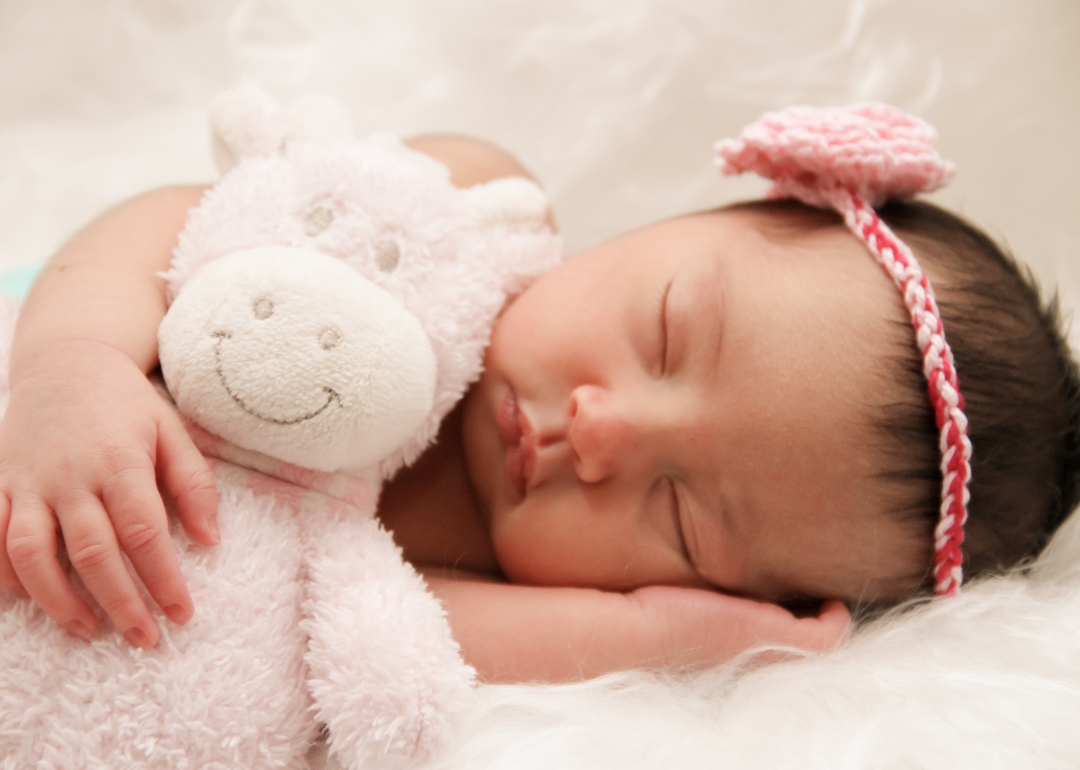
[{"x": 602, "y": 435}]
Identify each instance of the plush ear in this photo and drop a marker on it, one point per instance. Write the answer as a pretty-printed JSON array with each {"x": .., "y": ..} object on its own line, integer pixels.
[
  {"x": 294, "y": 354},
  {"x": 512, "y": 201},
  {"x": 245, "y": 121}
]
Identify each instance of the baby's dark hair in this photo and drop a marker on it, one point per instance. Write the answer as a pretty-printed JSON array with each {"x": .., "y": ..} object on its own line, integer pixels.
[
  {"x": 1019, "y": 381},
  {"x": 1021, "y": 390}
]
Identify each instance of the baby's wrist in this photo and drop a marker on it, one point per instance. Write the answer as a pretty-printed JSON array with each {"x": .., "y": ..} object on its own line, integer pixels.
[{"x": 66, "y": 356}]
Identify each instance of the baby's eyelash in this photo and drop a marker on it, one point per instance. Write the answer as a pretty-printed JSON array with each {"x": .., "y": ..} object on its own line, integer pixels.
[
  {"x": 664, "y": 328},
  {"x": 677, "y": 514}
]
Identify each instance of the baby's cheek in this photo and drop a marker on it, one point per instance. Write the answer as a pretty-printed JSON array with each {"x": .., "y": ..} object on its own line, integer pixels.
[
  {"x": 520, "y": 548},
  {"x": 547, "y": 543},
  {"x": 535, "y": 547}
]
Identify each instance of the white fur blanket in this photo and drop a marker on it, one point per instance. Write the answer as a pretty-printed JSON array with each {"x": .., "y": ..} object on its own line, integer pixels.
[{"x": 988, "y": 680}]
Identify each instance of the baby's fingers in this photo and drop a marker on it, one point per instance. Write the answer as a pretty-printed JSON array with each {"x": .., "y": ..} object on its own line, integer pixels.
[
  {"x": 830, "y": 628},
  {"x": 8, "y": 578},
  {"x": 95, "y": 554},
  {"x": 30, "y": 543},
  {"x": 817, "y": 633},
  {"x": 142, "y": 529},
  {"x": 188, "y": 478}
]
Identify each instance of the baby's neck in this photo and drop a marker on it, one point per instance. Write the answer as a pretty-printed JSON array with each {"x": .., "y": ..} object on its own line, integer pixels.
[{"x": 432, "y": 512}]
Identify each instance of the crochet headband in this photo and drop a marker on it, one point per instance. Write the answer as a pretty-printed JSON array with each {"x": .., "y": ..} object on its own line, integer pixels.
[{"x": 853, "y": 159}]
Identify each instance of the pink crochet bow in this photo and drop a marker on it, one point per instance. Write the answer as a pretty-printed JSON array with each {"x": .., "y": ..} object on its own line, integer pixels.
[{"x": 851, "y": 159}]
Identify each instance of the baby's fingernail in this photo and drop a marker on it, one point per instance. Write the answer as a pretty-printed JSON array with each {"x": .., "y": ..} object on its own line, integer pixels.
[
  {"x": 177, "y": 614},
  {"x": 77, "y": 628},
  {"x": 215, "y": 533},
  {"x": 136, "y": 638}
]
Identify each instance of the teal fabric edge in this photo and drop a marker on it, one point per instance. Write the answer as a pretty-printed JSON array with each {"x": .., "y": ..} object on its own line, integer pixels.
[{"x": 17, "y": 282}]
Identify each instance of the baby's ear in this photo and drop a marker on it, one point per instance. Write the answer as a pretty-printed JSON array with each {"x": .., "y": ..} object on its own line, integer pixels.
[
  {"x": 513, "y": 201},
  {"x": 245, "y": 121}
]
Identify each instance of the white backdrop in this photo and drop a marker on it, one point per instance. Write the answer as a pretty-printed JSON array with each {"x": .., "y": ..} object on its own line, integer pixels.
[{"x": 615, "y": 104}]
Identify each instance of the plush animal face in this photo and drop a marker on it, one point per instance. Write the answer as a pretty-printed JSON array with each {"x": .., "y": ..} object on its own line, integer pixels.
[
  {"x": 294, "y": 354},
  {"x": 332, "y": 299}
]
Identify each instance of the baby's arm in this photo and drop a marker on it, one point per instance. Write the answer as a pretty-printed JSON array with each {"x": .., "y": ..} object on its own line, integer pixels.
[
  {"x": 86, "y": 437},
  {"x": 514, "y": 633}
]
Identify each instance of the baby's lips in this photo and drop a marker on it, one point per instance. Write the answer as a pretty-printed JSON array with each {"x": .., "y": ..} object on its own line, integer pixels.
[
  {"x": 515, "y": 470},
  {"x": 507, "y": 418},
  {"x": 517, "y": 434}
]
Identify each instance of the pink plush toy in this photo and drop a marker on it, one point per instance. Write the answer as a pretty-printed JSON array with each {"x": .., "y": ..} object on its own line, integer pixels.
[{"x": 331, "y": 301}]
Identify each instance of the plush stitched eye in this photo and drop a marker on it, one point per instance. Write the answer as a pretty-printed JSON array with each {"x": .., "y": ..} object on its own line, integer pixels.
[
  {"x": 317, "y": 220},
  {"x": 330, "y": 339},
  {"x": 263, "y": 309},
  {"x": 387, "y": 255}
]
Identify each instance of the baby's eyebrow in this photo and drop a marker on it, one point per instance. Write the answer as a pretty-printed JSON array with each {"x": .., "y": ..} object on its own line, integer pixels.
[{"x": 708, "y": 299}]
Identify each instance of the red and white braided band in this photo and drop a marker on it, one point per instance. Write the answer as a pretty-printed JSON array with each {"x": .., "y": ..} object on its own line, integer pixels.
[
  {"x": 852, "y": 159},
  {"x": 900, "y": 263}
]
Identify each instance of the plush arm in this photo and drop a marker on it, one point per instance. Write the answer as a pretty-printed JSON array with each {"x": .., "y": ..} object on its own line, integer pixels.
[{"x": 515, "y": 633}]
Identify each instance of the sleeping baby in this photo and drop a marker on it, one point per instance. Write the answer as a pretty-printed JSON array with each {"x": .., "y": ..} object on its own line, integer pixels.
[{"x": 723, "y": 430}]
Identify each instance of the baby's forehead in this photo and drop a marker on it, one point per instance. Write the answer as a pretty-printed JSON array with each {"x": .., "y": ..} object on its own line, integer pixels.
[
  {"x": 779, "y": 219},
  {"x": 778, "y": 222},
  {"x": 776, "y": 236}
]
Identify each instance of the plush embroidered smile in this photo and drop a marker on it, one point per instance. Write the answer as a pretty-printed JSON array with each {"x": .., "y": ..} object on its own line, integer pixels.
[{"x": 331, "y": 394}]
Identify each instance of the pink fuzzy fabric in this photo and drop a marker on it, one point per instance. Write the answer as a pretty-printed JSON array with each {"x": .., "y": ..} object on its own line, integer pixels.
[
  {"x": 874, "y": 150},
  {"x": 306, "y": 614}
]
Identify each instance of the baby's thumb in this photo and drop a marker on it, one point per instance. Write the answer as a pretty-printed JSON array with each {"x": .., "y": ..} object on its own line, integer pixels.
[
  {"x": 825, "y": 631},
  {"x": 187, "y": 477}
]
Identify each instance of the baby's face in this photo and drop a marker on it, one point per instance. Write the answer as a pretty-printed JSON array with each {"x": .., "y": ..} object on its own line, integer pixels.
[{"x": 690, "y": 404}]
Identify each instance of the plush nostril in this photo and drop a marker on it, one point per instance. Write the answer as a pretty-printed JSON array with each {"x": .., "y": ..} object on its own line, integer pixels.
[
  {"x": 263, "y": 309},
  {"x": 387, "y": 255},
  {"x": 330, "y": 339}
]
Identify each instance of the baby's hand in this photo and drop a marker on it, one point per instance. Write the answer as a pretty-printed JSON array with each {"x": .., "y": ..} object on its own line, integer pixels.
[
  {"x": 691, "y": 626},
  {"x": 82, "y": 445}
]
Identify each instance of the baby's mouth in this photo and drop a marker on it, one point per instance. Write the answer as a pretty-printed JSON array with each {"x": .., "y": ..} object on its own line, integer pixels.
[{"x": 517, "y": 434}]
